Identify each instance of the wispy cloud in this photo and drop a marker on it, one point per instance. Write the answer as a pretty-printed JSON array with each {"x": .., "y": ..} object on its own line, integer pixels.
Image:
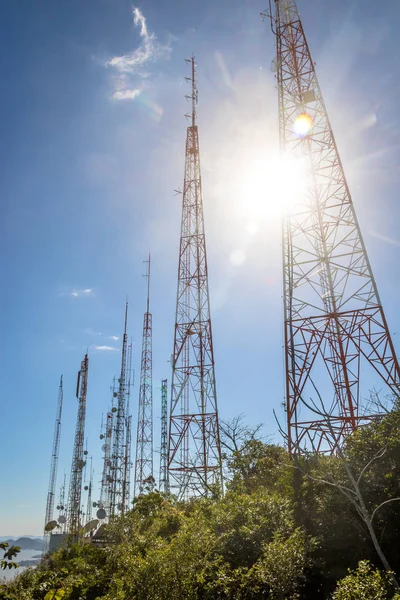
[
  {"x": 84, "y": 292},
  {"x": 126, "y": 94},
  {"x": 105, "y": 348},
  {"x": 384, "y": 238},
  {"x": 131, "y": 66},
  {"x": 113, "y": 337}
]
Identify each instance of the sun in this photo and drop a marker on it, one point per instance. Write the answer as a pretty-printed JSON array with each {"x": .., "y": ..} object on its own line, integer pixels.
[{"x": 272, "y": 187}]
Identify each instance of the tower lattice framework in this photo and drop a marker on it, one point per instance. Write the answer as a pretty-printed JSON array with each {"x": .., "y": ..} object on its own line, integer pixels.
[
  {"x": 78, "y": 462},
  {"x": 163, "y": 478},
  {"x": 54, "y": 457},
  {"x": 128, "y": 432},
  {"x": 118, "y": 499},
  {"x": 194, "y": 451},
  {"x": 144, "y": 438},
  {"x": 337, "y": 342}
]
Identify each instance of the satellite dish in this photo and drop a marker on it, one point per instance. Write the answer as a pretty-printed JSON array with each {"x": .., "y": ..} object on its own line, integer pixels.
[
  {"x": 101, "y": 514},
  {"x": 91, "y": 525},
  {"x": 85, "y": 452},
  {"x": 86, "y": 488},
  {"x": 114, "y": 409},
  {"x": 50, "y": 526},
  {"x": 101, "y": 436},
  {"x": 62, "y": 519}
]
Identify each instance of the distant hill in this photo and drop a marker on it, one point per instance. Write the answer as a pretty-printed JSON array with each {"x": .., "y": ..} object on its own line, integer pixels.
[{"x": 26, "y": 543}]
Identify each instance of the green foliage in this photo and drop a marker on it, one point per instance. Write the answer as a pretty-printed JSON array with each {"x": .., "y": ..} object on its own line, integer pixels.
[
  {"x": 282, "y": 531},
  {"x": 10, "y": 552},
  {"x": 365, "y": 583}
]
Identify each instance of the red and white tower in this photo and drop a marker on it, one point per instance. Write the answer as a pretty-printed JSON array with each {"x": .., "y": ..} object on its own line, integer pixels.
[
  {"x": 194, "y": 452},
  {"x": 337, "y": 342}
]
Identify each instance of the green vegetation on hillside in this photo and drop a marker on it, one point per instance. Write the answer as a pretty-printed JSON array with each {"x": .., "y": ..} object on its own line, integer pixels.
[{"x": 261, "y": 540}]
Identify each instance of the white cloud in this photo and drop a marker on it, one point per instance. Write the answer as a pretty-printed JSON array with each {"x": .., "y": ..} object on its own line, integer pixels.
[
  {"x": 133, "y": 63},
  {"x": 126, "y": 94},
  {"x": 85, "y": 292},
  {"x": 113, "y": 337},
  {"x": 105, "y": 349}
]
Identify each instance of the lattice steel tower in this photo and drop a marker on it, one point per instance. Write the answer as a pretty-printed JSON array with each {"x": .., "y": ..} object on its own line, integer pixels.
[
  {"x": 118, "y": 500},
  {"x": 337, "y": 342},
  {"x": 163, "y": 478},
  {"x": 106, "y": 435},
  {"x": 128, "y": 431},
  {"x": 144, "y": 439},
  {"x": 78, "y": 461},
  {"x": 54, "y": 457},
  {"x": 194, "y": 452}
]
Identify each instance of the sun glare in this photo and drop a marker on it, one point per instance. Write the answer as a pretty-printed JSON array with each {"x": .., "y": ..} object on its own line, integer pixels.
[
  {"x": 271, "y": 188},
  {"x": 302, "y": 125}
]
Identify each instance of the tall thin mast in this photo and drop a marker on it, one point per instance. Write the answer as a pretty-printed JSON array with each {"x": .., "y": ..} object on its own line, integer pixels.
[
  {"x": 89, "y": 505},
  {"x": 54, "y": 457},
  {"x": 337, "y": 342},
  {"x": 128, "y": 436},
  {"x": 118, "y": 501},
  {"x": 78, "y": 462},
  {"x": 194, "y": 451},
  {"x": 107, "y": 478},
  {"x": 163, "y": 479},
  {"x": 144, "y": 439},
  {"x": 61, "y": 505}
]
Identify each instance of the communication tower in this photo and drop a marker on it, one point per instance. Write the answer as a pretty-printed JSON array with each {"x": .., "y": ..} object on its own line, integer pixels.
[
  {"x": 337, "y": 341},
  {"x": 144, "y": 439},
  {"x": 78, "y": 457},
  {"x": 89, "y": 504},
  {"x": 54, "y": 458},
  {"x": 61, "y": 507},
  {"x": 194, "y": 451},
  {"x": 163, "y": 479},
  {"x": 128, "y": 436},
  {"x": 118, "y": 500}
]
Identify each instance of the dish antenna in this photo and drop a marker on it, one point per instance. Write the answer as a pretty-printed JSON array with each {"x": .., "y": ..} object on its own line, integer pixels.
[
  {"x": 101, "y": 514},
  {"x": 50, "y": 526},
  {"x": 62, "y": 519},
  {"x": 91, "y": 525}
]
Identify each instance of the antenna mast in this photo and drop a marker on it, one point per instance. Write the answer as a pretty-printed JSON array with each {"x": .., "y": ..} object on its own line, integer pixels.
[
  {"x": 54, "y": 457},
  {"x": 194, "y": 451},
  {"x": 144, "y": 439},
  {"x": 89, "y": 496},
  {"x": 337, "y": 342},
  {"x": 128, "y": 444},
  {"x": 163, "y": 479},
  {"x": 78, "y": 462},
  {"x": 61, "y": 505},
  {"x": 118, "y": 500}
]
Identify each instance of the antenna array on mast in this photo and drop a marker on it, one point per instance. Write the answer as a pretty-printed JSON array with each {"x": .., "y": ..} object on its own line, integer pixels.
[
  {"x": 78, "y": 461},
  {"x": 144, "y": 440},
  {"x": 194, "y": 452}
]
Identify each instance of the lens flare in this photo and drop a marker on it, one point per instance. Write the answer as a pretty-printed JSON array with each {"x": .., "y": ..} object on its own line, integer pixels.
[
  {"x": 302, "y": 125},
  {"x": 272, "y": 187}
]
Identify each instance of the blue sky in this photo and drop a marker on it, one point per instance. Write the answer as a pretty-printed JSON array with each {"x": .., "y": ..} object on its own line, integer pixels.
[{"x": 92, "y": 148}]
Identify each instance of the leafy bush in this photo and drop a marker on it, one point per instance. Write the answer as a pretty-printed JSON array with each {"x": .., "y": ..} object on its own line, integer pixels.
[{"x": 365, "y": 583}]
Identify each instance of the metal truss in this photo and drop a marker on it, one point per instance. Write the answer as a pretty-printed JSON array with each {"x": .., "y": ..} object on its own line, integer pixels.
[
  {"x": 336, "y": 336},
  {"x": 194, "y": 452},
  {"x": 144, "y": 478}
]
